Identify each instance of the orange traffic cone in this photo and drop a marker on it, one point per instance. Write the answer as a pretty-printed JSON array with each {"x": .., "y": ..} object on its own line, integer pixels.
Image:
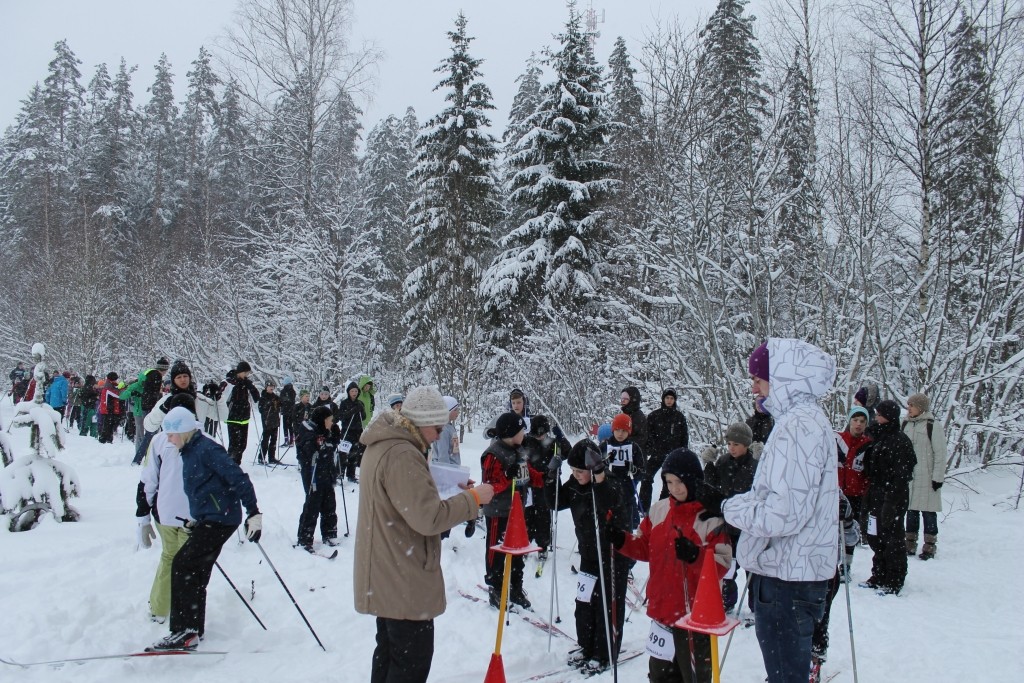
[
  {"x": 707, "y": 614},
  {"x": 495, "y": 670},
  {"x": 516, "y": 540}
]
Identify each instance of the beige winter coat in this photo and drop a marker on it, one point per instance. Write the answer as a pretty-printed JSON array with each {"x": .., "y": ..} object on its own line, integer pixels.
[
  {"x": 398, "y": 546},
  {"x": 931, "y": 462}
]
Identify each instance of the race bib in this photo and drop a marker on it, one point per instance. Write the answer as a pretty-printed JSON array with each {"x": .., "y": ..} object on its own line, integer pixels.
[
  {"x": 621, "y": 455},
  {"x": 585, "y": 587},
  {"x": 872, "y": 525},
  {"x": 528, "y": 498},
  {"x": 858, "y": 462},
  {"x": 660, "y": 643},
  {"x": 345, "y": 446}
]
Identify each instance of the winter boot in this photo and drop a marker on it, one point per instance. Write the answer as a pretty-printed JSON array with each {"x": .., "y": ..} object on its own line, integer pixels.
[
  {"x": 911, "y": 544},
  {"x": 577, "y": 658},
  {"x": 181, "y": 640},
  {"x": 494, "y": 597},
  {"x": 730, "y": 594},
  {"x": 928, "y": 549},
  {"x": 517, "y": 596},
  {"x": 594, "y": 667}
]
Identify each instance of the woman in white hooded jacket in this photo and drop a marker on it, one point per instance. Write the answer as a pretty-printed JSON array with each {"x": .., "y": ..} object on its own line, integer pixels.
[{"x": 790, "y": 518}]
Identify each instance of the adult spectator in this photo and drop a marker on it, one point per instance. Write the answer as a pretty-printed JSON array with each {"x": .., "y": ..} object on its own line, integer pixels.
[
  {"x": 446, "y": 449},
  {"x": 19, "y": 381},
  {"x": 239, "y": 393},
  {"x": 287, "y": 395},
  {"x": 760, "y": 422},
  {"x": 929, "y": 441},
  {"x": 630, "y": 404},
  {"x": 889, "y": 469},
  {"x": 667, "y": 431},
  {"x": 57, "y": 392},
  {"x": 789, "y": 519},
  {"x": 398, "y": 545}
]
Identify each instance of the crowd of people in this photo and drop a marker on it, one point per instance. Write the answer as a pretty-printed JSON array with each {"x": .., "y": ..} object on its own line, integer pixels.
[{"x": 781, "y": 497}]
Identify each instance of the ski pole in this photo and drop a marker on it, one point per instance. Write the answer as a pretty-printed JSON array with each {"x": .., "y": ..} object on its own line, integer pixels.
[
  {"x": 244, "y": 602},
  {"x": 600, "y": 573},
  {"x": 554, "y": 552},
  {"x": 849, "y": 611},
  {"x": 614, "y": 610},
  {"x": 739, "y": 608},
  {"x": 283, "y": 585},
  {"x": 689, "y": 633},
  {"x": 344, "y": 508}
]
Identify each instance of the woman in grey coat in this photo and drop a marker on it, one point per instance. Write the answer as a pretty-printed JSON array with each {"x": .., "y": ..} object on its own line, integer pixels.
[{"x": 929, "y": 441}]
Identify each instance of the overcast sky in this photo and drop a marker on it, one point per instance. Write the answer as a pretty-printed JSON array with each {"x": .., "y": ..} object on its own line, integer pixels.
[{"x": 411, "y": 34}]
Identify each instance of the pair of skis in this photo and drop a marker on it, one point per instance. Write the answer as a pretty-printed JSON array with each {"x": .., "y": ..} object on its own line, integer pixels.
[
  {"x": 124, "y": 655},
  {"x": 528, "y": 617}
]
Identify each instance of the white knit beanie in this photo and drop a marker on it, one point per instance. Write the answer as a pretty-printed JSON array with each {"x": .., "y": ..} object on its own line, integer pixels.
[{"x": 425, "y": 407}]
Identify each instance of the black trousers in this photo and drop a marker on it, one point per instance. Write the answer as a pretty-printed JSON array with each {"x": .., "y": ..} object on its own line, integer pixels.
[
  {"x": 654, "y": 463},
  {"x": 683, "y": 667},
  {"x": 404, "y": 651},
  {"x": 190, "y": 574},
  {"x": 268, "y": 444},
  {"x": 353, "y": 459},
  {"x": 320, "y": 504},
  {"x": 819, "y": 643},
  {"x": 238, "y": 438},
  {"x": 538, "y": 520},
  {"x": 495, "y": 561},
  {"x": 286, "y": 423},
  {"x": 590, "y": 616},
  {"x": 107, "y": 427},
  {"x": 889, "y": 563}
]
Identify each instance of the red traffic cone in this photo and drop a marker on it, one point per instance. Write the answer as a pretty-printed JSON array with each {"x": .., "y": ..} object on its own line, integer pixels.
[
  {"x": 707, "y": 614},
  {"x": 516, "y": 541},
  {"x": 495, "y": 670}
]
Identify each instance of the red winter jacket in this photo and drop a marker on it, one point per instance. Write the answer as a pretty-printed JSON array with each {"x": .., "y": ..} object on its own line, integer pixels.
[
  {"x": 655, "y": 542},
  {"x": 851, "y": 463},
  {"x": 110, "y": 399}
]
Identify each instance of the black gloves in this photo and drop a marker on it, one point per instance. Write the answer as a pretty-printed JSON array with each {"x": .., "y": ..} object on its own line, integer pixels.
[
  {"x": 556, "y": 431},
  {"x": 710, "y": 499},
  {"x": 936, "y": 485},
  {"x": 512, "y": 471},
  {"x": 686, "y": 550},
  {"x": 616, "y": 535},
  {"x": 594, "y": 460}
]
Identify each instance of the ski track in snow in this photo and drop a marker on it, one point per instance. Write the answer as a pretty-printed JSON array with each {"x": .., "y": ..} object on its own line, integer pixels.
[{"x": 74, "y": 590}]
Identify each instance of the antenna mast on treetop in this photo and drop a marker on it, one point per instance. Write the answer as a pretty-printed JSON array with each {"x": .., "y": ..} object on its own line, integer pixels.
[{"x": 591, "y": 20}]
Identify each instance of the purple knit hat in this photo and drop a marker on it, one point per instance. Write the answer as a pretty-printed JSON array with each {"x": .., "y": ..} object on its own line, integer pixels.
[{"x": 758, "y": 363}]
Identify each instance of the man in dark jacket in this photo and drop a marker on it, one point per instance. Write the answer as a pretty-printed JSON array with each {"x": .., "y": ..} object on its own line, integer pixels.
[
  {"x": 630, "y": 402},
  {"x": 270, "y": 413},
  {"x": 667, "y": 431},
  {"x": 217, "y": 489},
  {"x": 242, "y": 393},
  {"x": 350, "y": 414},
  {"x": 760, "y": 422},
  {"x": 288, "y": 409},
  {"x": 889, "y": 467},
  {"x": 318, "y": 439}
]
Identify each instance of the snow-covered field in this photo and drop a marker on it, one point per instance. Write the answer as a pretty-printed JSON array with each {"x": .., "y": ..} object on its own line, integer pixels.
[{"x": 71, "y": 590}]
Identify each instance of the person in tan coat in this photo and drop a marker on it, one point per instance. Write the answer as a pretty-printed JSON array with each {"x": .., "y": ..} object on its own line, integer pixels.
[
  {"x": 929, "y": 441},
  {"x": 398, "y": 535}
]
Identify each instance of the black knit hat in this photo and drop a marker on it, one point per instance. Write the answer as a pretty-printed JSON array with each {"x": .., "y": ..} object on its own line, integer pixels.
[
  {"x": 509, "y": 424},
  {"x": 112, "y": 376},
  {"x": 888, "y": 409},
  {"x": 180, "y": 367},
  {"x": 578, "y": 455},
  {"x": 243, "y": 367},
  {"x": 163, "y": 364},
  {"x": 685, "y": 464},
  {"x": 539, "y": 425},
  {"x": 183, "y": 400},
  {"x": 669, "y": 392},
  {"x": 320, "y": 415}
]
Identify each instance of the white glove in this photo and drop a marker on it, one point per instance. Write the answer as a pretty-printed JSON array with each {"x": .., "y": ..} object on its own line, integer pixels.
[
  {"x": 253, "y": 527},
  {"x": 145, "y": 534}
]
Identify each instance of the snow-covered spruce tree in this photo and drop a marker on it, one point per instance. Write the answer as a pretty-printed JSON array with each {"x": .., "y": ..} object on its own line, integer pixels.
[
  {"x": 796, "y": 310},
  {"x": 559, "y": 181},
  {"x": 456, "y": 207},
  {"x": 195, "y": 132},
  {"x": 159, "y": 149},
  {"x": 525, "y": 101},
  {"x": 37, "y": 483},
  {"x": 387, "y": 192}
]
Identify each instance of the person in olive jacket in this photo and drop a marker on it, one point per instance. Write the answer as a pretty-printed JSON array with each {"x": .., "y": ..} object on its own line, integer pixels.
[
  {"x": 889, "y": 467},
  {"x": 397, "y": 575}
]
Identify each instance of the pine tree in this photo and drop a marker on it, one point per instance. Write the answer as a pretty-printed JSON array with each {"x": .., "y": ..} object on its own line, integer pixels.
[
  {"x": 457, "y": 205},
  {"x": 556, "y": 253}
]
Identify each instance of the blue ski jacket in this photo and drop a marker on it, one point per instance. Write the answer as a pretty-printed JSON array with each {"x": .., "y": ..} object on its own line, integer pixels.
[{"x": 216, "y": 487}]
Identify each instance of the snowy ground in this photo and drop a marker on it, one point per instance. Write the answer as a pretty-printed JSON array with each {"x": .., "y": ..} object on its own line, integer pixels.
[{"x": 71, "y": 590}]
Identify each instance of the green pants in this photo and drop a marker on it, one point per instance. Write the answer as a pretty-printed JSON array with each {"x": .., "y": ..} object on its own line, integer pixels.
[
  {"x": 86, "y": 424},
  {"x": 171, "y": 540}
]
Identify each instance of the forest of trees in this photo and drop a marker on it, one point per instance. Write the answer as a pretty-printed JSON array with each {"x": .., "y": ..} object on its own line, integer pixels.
[{"x": 850, "y": 173}]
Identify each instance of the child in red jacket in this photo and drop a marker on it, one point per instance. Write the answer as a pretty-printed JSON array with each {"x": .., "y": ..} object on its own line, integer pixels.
[{"x": 674, "y": 538}]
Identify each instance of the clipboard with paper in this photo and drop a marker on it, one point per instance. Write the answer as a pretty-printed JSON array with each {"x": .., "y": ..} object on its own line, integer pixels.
[{"x": 448, "y": 477}]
